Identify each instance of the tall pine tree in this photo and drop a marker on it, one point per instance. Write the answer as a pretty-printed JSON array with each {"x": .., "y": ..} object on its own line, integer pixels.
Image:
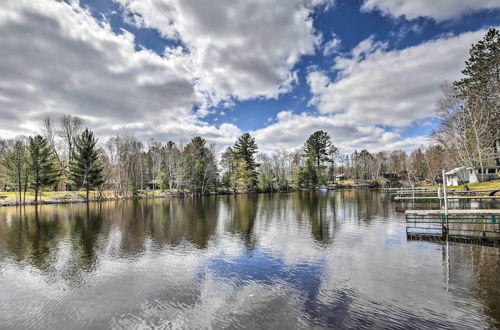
[
  {"x": 319, "y": 148},
  {"x": 480, "y": 89},
  {"x": 86, "y": 170},
  {"x": 244, "y": 150},
  {"x": 42, "y": 164},
  {"x": 17, "y": 165}
]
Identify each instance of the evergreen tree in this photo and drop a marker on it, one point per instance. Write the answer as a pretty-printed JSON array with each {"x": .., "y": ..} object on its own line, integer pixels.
[
  {"x": 307, "y": 175},
  {"x": 42, "y": 164},
  {"x": 482, "y": 69},
  {"x": 245, "y": 149},
  {"x": 479, "y": 90},
  {"x": 17, "y": 165},
  {"x": 318, "y": 148},
  {"x": 86, "y": 170},
  {"x": 470, "y": 109}
]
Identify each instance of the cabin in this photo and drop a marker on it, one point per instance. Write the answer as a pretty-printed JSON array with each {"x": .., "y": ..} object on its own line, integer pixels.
[
  {"x": 458, "y": 176},
  {"x": 340, "y": 177},
  {"x": 490, "y": 173},
  {"x": 464, "y": 174},
  {"x": 151, "y": 185}
]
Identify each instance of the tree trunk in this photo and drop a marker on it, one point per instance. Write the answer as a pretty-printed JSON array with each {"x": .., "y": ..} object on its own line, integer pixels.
[
  {"x": 19, "y": 185},
  {"x": 25, "y": 188}
]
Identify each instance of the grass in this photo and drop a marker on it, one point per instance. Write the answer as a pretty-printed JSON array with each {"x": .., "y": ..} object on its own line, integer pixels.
[
  {"x": 10, "y": 196},
  {"x": 487, "y": 185}
]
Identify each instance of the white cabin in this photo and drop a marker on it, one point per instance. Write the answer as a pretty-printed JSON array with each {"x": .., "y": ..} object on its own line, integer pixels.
[
  {"x": 461, "y": 175},
  {"x": 490, "y": 173},
  {"x": 458, "y": 176}
]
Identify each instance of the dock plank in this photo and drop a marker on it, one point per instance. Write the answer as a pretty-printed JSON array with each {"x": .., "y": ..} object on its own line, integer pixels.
[
  {"x": 452, "y": 212},
  {"x": 449, "y": 197}
]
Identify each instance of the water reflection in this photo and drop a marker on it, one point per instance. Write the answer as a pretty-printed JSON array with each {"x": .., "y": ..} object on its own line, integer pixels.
[{"x": 298, "y": 260}]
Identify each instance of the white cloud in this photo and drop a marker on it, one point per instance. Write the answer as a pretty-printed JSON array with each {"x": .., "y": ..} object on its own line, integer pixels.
[
  {"x": 395, "y": 88},
  {"x": 291, "y": 130},
  {"x": 438, "y": 10},
  {"x": 332, "y": 46},
  {"x": 56, "y": 58},
  {"x": 238, "y": 49}
]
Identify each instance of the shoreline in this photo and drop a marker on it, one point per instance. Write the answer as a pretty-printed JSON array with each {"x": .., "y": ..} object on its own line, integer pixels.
[
  {"x": 164, "y": 195},
  {"x": 127, "y": 198}
]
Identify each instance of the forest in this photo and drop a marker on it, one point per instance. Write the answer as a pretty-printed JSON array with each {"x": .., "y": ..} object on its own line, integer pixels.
[{"x": 66, "y": 156}]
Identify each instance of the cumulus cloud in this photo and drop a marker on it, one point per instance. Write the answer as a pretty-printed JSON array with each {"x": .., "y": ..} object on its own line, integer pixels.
[
  {"x": 438, "y": 10},
  {"x": 56, "y": 58},
  {"x": 332, "y": 46},
  {"x": 239, "y": 49},
  {"x": 374, "y": 86},
  {"x": 291, "y": 130}
]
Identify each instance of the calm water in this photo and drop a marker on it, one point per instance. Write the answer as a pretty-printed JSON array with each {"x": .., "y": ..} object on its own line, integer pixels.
[{"x": 284, "y": 261}]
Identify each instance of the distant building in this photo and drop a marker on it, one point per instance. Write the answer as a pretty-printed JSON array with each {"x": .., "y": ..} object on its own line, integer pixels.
[
  {"x": 340, "y": 177},
  {"x": 458, "y": 176},
  {"x": 151, "y": 185},
  {"x": 464, "y": 174},
  {"x": 490, "y": 173}
]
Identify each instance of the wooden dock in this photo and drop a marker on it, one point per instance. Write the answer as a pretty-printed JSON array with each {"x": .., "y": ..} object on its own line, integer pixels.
[
  {"x": 489, "y": 192},
  {"x": 400, "y": 198},
  {"x": 470, "y": 226},
  {"x": 453, "y": 212}
]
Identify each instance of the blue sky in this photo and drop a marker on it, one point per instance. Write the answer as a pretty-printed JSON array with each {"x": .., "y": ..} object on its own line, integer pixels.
[{"x": 366, "y": 71}]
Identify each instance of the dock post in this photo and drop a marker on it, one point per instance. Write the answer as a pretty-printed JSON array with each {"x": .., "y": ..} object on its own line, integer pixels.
[
  {"x": 439, "y": 196},
  {"x": 445, "y": 203},
  {"x": 413, "y": 194}
]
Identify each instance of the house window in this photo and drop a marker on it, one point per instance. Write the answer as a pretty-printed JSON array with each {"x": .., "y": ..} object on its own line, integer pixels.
[
  {"x": 491, "y": 170},
  {"x": 470, "y": 171}
]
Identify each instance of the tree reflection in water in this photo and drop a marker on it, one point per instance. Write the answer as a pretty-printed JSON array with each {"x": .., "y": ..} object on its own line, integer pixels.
[{"x": 334, "y": 259}]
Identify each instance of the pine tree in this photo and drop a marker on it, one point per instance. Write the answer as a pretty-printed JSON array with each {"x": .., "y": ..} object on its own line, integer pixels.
[
  {"x": 318, "y": 148},
  {"x": 482, "y": 69},
  {"x": 245, "y": 149},
  {"x": 480, "y": 87},
  {"x": 17, "y": 165},
  {"x": 42, "y": 164},
  {"x": 86, "y": 170},
  {"x": 307, "y": 175},
  {"x": 477, "y": 95}
]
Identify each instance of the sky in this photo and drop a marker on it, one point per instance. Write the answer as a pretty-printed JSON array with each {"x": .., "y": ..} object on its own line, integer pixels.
[{"x": 368, "y": 72}]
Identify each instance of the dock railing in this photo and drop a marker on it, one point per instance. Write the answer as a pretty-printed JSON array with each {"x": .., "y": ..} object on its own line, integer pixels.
[{"x": 474, "y": 226}]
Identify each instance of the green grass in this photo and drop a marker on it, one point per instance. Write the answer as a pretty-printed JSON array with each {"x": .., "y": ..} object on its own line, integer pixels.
[
  {"x": 487, "y": 185},
  {"x": 10, "y": 196}
]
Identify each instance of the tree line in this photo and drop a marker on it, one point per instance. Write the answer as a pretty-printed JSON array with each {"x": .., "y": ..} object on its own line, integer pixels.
[
  {"x": 67, "y": 156},
  {"x": 469, "y": 110}
]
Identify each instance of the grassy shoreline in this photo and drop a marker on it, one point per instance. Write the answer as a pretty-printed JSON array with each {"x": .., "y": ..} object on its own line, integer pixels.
[
  {"x": 487, "y": 185},
  {"x": 70, "y": 197}
]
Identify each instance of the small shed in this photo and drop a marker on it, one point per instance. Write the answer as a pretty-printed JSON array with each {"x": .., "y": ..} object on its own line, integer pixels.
[{"x": 458, "y": 176}]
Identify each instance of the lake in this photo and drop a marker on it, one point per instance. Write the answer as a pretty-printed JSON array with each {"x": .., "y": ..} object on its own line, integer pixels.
[{"x": 269, "y": 261}]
